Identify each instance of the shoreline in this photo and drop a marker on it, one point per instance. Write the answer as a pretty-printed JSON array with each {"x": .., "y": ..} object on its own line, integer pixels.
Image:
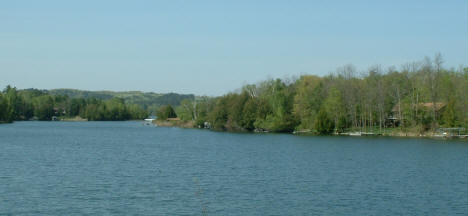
[
  {"x": 179, "y": 124},
  {"x": 191, "y": 125},
  {"x": 74, "y": 119},
  {"x": 399, "y": 134}
]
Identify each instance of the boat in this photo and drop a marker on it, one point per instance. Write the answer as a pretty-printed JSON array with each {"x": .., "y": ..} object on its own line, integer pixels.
[{"x": 149, "y": 120}]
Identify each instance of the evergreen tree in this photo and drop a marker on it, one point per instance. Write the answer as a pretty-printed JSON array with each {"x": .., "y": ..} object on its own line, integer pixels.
[{"x": 324, "y": 124}]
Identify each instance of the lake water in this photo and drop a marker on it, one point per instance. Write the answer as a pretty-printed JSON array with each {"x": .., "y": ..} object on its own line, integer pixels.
[{"x": 126, "y": 168}]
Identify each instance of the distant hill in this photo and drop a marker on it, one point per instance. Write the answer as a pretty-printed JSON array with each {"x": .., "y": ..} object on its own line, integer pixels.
[{"x": 145, "y": 99}]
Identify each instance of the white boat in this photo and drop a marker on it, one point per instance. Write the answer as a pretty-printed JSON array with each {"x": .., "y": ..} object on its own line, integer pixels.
[{"x": 149, "y": 121}]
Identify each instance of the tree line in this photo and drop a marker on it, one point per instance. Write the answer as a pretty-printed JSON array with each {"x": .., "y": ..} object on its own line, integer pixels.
[
  {"x": 147, "y": 100},
  {"x": 36, "y": 104},
  {"x": 418, "y": 97}
]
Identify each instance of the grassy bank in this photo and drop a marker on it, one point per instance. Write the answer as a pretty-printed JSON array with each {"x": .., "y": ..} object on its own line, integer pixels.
[
  {"x": 73, "y": 119},
  {"x": 181, "y": 124}
]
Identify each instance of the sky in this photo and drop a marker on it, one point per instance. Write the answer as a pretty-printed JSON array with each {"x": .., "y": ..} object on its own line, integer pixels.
[{"x": 214, "y": 47}]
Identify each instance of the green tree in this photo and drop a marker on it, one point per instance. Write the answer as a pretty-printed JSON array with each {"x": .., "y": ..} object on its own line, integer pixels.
[
  {"x": 76, "y": 106},
  {"x": 6, "y": 110},
  {"x": 219, "y": 115},
  {"x": 249, "y": 114},
  {"x": 280, "y": 97},
  {"x": 449, "y": 115},
  {"x": 334, "y": 107},
  {"x": 44, "y": 107},
  {"x": 165, "y": 112},
  {"x": 187, "y": 110},
  {"x": 307, "y": 100},
  {"x": 15, "y": 102},
  {"x": 323, "y": 124}
]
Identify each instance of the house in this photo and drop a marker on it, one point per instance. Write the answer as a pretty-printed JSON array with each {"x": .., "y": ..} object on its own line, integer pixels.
[
  {"x": 394, "y": 118},
  {"x": 59, "y": 111}
]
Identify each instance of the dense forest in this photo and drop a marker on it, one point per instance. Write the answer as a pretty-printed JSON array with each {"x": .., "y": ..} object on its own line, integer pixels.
[
  {"x": 147, "y": 100},
  {"x": 33, "y": 104},
  {"x": 418, "y": 97},
  {"x": 37, "y": 104}
]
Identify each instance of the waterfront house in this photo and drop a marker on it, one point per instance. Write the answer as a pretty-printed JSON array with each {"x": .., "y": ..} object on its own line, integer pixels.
[{"x": 396, "y": 114}]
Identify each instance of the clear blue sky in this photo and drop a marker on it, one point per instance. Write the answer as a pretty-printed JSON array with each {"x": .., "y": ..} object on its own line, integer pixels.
[{"x": 213, "y": 47}]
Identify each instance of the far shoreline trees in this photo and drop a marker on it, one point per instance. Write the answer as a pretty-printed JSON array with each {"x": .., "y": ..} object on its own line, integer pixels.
[{"x": 33, "y": 104}]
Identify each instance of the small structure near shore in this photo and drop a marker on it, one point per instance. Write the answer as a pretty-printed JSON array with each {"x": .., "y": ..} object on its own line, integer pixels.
[
  {"x": 395, "y": 117},
  {"x": 207, "y": 125},
  {"x": 457, "y": 132},
  {"x": 359, "y": 133}
]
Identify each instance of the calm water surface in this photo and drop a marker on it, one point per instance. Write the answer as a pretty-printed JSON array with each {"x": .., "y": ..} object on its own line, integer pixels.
[{"x": 125, "y": 168}]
